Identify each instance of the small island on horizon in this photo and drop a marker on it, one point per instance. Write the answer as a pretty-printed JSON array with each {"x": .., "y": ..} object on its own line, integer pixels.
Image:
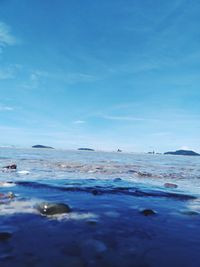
[
  {"x": 182, "y": 153},
  {"x": 42, "y": 146},
  {"x": 85, "y": 149}
]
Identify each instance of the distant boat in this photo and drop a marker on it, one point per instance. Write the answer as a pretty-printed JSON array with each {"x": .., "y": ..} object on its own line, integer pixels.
[{"x": 119, "y": 150}]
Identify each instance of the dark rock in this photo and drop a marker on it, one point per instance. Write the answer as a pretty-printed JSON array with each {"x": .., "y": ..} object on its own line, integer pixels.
[
  {"x": 170, "y": 185},
  {"x": 10, "y": 167},
  {"x": 148, "y": 212},
  {"x": 41, "y": 146},
  {"x": 52, "y": 208},
  {"x": 182, "y": 152},
  {"x": 5, "y": 236},
  {"x": 145, "y": 174}
]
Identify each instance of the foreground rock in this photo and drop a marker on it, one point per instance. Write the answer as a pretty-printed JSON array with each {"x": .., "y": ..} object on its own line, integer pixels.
[
  {"x": 182, "y": 152},
  {"x": 52, "y": 208}
]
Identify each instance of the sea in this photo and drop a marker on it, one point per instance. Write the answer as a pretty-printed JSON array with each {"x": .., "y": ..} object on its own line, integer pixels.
[{"x": 126, "y": 209}]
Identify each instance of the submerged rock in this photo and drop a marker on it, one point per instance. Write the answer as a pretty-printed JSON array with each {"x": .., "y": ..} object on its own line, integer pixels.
[
  {"x": 190, "y": 212},
  {"x": 170, "y": 185},
  {"x": 52, "y": 208},
  {"x": 95, "y": 192},
  {"x": 92, "y": 222},
  {"x": 5, "y": 236},
  {"x": 117, "y": 180},
  {"x": 148, "y": 212}
]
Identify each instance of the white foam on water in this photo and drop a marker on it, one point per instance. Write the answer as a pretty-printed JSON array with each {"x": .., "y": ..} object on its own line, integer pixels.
[
  {"x": 23, "y": 172},
  {"x": 14, "y": 207},
  {"x": 6, "y": 184},
  {"x": 74, "y": 216}
]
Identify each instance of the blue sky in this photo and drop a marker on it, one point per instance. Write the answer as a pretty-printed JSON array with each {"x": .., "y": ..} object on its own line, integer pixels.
[{"x": 104, "y": 74}]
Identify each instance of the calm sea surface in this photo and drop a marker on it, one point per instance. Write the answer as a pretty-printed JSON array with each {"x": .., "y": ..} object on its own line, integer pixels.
[{"x": 107, "y": 193}]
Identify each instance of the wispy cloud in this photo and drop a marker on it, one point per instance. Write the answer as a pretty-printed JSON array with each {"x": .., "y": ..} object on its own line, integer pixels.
[
  {"x": 9, "y": 72},
  {"x": 34, "y": 79},
  {"x": 79, "y": 122},
  {"x": 122, "y": 118},
  {"x": 6, "y": 37},
  {"x": 79, "y": 77},
  {"x": 6, "y": 108}
]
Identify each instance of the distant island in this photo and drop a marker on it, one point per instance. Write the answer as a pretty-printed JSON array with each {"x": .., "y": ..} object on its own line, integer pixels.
[
  {"x": 41, "y": 146},
  {"x": 182, "y": 152},
  {"x": 85, "y": 149}
]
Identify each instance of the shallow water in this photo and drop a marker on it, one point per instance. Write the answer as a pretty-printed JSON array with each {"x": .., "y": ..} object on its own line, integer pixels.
[{"x": 107, "y": 192}]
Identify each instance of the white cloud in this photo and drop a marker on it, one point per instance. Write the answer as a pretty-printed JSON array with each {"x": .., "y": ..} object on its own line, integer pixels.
[
  {"x": 6, "y": 38},
  {"x": 79, "y": 122}
]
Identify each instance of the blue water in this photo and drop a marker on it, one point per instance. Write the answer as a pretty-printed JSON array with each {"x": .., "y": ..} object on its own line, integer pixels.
[{"x": 107, "y": 192}]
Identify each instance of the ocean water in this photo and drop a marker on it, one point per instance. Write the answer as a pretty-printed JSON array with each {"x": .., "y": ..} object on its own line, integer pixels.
[{"x": 107, "y": 193}]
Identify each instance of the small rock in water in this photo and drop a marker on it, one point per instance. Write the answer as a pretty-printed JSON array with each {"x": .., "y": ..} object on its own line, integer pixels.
[
  {"x": 5, "y": 236},
  {"x": 11, "y": 195},
  {"x": 117, "y": 179},
  {"x": 52, "y": 208},
  {"x": 170, "y": 185},
  {"x": 148, "y": 212},
  {"x": 10, "y": 167}
]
